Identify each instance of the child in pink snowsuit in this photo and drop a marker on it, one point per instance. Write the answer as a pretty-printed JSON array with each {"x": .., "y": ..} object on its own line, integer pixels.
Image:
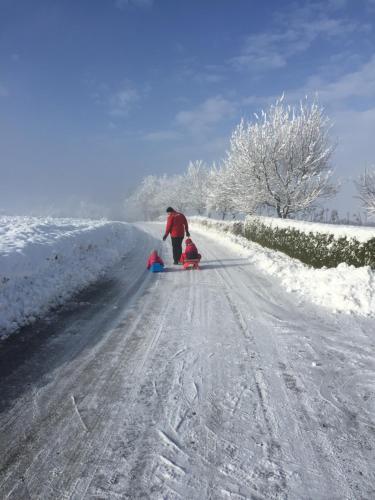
[
  {"x": 154, "y": 259},
  {"x": 191, "y": 252}
]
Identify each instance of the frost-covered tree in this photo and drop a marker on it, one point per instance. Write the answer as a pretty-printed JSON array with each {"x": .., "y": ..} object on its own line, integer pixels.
[
  {"x": 283, "y": 159},
  {"x": 174, "y": 193},
  {"x": 334, "y": 217},
  {"x": 162, "y": 193},
  {"x": 366, "y": 189},
  {"x": 153, "y": 195},
  {"x": 220, "y": 191},
  {"x": 144, "y": 199},
  {"x": 196, "y": 185},
  {"x": 239, "y": 171}
]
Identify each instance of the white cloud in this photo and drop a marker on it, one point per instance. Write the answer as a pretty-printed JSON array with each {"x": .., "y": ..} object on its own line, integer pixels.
[
  {"x": 116, "y": 99},
  {"x": 359, "y": 83},
  {"x": 353, "y": 92},
  {"x": 206, "y": 114},
  {"x": 123, "y": 100},
  {"x": 208, "y": 77},
  {"x": 337, "y": 4},
  {"x": 294, "y": 33},
  {"x": 202, "y": 74},
  {"x": 335, "y": 94},
  {"x": 123, "y": 4},
  {"x": 162, "y": 135},
  {"x": 210, "y": 73}
]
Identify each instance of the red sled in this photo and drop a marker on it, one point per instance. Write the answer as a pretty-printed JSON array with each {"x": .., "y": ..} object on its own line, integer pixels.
[{"x": 191, "y": 264}]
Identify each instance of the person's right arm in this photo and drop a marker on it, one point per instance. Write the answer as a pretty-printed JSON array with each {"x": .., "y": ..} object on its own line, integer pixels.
[{"x": 168, "y": 227}]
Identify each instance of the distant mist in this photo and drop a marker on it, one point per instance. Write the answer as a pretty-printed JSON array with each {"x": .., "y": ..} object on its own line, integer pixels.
[{"x": 73, "y": 206}]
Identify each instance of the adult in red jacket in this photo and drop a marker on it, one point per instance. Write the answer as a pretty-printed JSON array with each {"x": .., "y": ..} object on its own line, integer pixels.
[{"x": 177, "y": 226}]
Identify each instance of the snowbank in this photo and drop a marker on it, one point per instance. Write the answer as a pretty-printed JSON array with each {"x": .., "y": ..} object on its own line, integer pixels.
[
  {"x": 342, "y": 289},
  {"x": 43, "y": 261}
]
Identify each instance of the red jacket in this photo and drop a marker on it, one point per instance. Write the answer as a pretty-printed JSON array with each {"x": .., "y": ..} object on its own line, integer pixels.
[
  {"x": 176, "y": 225},
  {"x": 153, "y": 259}
]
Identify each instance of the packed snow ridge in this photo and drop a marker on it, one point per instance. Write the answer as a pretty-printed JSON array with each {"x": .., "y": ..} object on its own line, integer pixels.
[
  {"x": 344, "y": 289},
  {"x": 44, "y": 261}
]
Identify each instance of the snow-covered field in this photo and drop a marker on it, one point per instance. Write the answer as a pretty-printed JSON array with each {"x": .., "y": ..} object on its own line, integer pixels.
[
  {"x": 342, "y": 289},
  {"x": 43, "y": 261}
]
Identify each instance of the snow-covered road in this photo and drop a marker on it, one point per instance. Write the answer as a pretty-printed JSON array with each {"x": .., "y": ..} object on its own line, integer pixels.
[{"x": 189, "y": 384}]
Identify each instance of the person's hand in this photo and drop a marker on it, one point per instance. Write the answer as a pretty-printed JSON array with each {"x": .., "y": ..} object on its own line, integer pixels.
[
  {"x": 188, "y": 234},
  {"x": 164, "y": 237}
]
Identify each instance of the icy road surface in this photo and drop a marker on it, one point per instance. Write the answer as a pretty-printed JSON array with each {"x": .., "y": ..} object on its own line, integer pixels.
[{"x": 203, "y": 384}]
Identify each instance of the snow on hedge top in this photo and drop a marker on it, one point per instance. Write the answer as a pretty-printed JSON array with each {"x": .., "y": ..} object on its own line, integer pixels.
[
  {"x": 360, "y": 233},
  {"x": 43, "y": 261}
]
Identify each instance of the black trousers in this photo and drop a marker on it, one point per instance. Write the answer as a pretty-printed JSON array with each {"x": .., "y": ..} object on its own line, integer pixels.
[{"x": 177, "y": 248}]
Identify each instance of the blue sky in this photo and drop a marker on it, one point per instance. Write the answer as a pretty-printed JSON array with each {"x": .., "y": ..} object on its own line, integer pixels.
[{"x": 95, "y": 94}]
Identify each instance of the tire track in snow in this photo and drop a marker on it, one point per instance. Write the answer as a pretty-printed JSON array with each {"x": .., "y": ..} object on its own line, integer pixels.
[
  {"x": 137, "y": 373},
  {"x": 100, "y": 417},
  {"x": 213, "y": 473},
  {"x": 59, "y": 405},
  {"x": 273, "y": 451},
  {"x": 306, "y": 418}
]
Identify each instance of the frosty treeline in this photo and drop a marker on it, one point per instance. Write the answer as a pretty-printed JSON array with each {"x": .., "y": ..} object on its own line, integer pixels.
[
  {"x": 279, "y": 161},
  {"x": 185, "y": 192},
  {"x": 366, "y": 190}
]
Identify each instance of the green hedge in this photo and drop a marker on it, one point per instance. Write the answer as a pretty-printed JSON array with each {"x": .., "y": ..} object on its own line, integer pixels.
[{"x": 315, "y": 249}]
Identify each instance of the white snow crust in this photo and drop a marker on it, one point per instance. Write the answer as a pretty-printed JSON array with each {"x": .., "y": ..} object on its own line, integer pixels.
[
  {"x": 43, "y": 261},
  {"x": 345, "y": 289}
]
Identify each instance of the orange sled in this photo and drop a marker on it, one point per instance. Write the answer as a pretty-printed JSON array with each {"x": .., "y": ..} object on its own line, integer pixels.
[{"x": 191, "y": 264}]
